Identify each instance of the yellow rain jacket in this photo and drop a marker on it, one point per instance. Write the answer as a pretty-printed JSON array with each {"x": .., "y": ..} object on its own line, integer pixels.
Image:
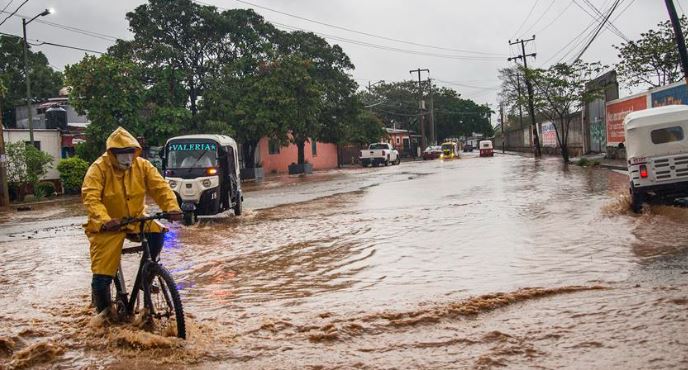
[{"x": 110, "y": 193}]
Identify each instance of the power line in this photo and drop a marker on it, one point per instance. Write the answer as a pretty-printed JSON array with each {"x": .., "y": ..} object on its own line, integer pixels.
[
  {"x": 463, "y": 85},
  {"x": 525, "y": 20},
  {"x": 356, "y": 31},
  {"x": 391, "y": 48},
  {"x": 539, "y": 18},
  {"x": 15, "y": 11},
  {"x": 597, "y": 32},
  {"x": 8, "y": 5},
  {"x": 98, "y": 35},
  {"x": 609, "y": 25},
  {"x": 555, "y": 19},
  {"x": 41, "y": 43}
]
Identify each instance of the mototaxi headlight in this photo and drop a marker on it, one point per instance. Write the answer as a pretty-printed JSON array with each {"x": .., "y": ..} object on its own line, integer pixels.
[
  {"x": 173, "y": 184},
  {"x": 206, "y": 183}
]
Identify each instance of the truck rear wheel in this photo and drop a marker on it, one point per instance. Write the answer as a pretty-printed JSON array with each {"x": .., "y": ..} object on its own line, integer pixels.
[{"x": 637, "y": 200}]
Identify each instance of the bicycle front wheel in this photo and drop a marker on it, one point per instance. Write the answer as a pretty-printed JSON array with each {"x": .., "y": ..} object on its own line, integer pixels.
[{"x": 162, "y": 302}]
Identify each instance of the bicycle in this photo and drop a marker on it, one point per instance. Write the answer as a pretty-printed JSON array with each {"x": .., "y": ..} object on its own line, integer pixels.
[{"x": 162, "y": 306}]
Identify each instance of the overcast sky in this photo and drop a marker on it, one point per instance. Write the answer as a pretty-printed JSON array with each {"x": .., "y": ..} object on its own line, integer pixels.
[{"x": 469, "y": 38}]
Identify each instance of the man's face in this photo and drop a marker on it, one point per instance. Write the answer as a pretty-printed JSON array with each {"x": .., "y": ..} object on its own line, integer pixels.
[{"x": 124, "y": 157}]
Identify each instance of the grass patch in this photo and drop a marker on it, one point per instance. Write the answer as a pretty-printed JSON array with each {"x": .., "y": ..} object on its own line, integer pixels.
[{"x": 584, "y": 162}]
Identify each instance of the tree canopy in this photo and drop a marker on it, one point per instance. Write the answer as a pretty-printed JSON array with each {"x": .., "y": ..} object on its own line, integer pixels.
[
  {"x": 45, "y": 82},
  {"x": 653, "y": 59}
]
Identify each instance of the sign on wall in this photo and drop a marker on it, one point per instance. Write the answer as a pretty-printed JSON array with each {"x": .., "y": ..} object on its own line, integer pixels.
[
  {"x": 616, "y": 112},
  {"x": 671, "y": 96},
  {"x": 549, "y": 135}
]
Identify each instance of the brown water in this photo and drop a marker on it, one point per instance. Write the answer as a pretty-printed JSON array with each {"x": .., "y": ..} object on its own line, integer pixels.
[{"x": 473, "y": 263}]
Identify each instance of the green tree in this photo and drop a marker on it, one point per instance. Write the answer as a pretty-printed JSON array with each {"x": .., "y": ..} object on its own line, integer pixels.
[
  {"x": 45, "y": 82},
  {"x": 109, "y": 91},
  {"x": 560, "y": 91},
  {"x": 25, "y": 166},
  {"x": 653, "y": 59}
]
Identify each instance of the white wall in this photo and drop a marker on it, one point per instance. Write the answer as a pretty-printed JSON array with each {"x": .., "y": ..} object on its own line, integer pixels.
[{"x": 51, "y": 143}]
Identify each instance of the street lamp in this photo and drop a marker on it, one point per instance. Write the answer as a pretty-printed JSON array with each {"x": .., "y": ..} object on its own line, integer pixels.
[{"x": 26, "y": 71}]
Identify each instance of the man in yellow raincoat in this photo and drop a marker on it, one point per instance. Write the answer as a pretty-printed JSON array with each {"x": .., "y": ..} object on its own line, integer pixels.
[{"x": 114, "y": 188}]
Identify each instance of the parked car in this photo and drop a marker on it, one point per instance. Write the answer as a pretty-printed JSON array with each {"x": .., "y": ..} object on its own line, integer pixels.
[
  {"x": 379, "y": 153},
  {"x": 468, "y": 148},
  {"x": 657, "y": 155},
  {"x": 486, "y": 149},
  {"x": 432, "y": 152}
]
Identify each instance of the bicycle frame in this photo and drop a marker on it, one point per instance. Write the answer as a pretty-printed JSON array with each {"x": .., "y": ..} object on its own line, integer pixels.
[{"x": 145, "y": 263}]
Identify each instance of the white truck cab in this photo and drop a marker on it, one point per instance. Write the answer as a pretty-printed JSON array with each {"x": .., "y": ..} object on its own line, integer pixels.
[
  {"x": 657, "y": 154},
  {"x": 379, "y": 153}
]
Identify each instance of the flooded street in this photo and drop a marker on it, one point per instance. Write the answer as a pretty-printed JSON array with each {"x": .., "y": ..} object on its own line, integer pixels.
[{"x": 471, "y": 263}]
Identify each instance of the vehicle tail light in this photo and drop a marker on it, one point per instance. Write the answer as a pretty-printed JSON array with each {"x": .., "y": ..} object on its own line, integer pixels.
[
  {"x": 211, "y": 171},
  {"x": 643, "y": 171}
]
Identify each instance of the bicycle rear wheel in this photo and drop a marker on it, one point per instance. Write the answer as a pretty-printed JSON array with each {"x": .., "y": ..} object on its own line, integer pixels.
[{"x": 161, "y": 299}]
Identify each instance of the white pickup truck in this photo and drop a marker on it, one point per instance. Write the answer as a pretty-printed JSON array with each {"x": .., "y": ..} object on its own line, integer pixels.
[{"x": 379, "y": 153}]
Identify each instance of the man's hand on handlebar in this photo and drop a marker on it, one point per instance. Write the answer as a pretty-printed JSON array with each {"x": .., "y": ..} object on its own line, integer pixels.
[
  {"x": 175, "y": 216},
  {"x": 112, "y": 225}
]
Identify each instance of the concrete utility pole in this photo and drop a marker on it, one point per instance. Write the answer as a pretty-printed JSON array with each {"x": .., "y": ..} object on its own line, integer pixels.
[
  {"x": 4, "y": 189},
  {"x": 26, "y": 71},
  {"x": 433, "y": 139},
  {"x": 529, "y": 87},
  {"x": 678, "y": 34},
  {"x": 421, "y": 120},
  {"x": 501, "y": 120}
]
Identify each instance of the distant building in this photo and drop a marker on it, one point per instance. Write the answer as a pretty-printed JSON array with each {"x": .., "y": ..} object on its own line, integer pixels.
[
  {"x": 47, "y": 140},
  {"x": 275, "y": 158}
]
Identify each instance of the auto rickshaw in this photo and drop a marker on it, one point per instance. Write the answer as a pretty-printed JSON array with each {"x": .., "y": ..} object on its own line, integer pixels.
[
  {"x": 203, "y": 172},
  {"x": 486, "y": 149},
  {"x": 450, "y": 150}
]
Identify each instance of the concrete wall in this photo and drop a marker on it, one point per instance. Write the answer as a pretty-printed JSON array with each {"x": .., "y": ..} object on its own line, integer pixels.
[
  {"x": 50, "y": 142},
  {"x": 39, "y": 119},
  {"x": 325, "y": 159}
]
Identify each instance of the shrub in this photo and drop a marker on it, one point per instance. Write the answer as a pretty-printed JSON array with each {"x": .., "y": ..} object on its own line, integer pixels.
[
  {"x": 25, "y": 166},
  {"x": 44, "y": 189},
  {"x": 72, "y": 172}
]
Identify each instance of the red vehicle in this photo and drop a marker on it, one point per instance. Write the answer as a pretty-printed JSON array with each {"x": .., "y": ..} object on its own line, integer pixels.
[
  {"x": 486, "y": 149},
  {"x": 432, "y": 152}
]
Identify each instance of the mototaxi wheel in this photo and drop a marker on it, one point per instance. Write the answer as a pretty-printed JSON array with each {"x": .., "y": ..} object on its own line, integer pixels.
[
  {"x": 637, "y": 200},
  {"x": 190, "y": 218},
  {"x": 238, "y": 206}
]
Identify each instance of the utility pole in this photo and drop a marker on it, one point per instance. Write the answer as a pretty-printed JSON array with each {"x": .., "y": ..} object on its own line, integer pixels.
[
  {"x": 501, "y": 120},
  {"x": 421, "y": 120},
  {"x": 529, "y": 87},
  {"x": 4, "y": 189},
  {"x": 433, "y": 139},
  {"x": 27, "y": 77},
  {"x": 678, "y": 34}
]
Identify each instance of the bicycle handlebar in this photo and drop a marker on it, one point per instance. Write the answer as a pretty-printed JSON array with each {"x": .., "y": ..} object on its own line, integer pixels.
[{"x": 133, "y": 220}]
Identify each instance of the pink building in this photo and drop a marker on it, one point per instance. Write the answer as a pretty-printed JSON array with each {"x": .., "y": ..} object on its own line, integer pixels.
[{"x": 276, "y": 159}]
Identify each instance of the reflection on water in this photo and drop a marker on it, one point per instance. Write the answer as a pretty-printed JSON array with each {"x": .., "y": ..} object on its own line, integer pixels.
[{"x": 398, "y": 267}]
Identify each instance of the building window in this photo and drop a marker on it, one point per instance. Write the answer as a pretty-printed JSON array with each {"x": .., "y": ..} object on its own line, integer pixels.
[
  {"x": 398, "y": 140},
  {"x": 314, "y": 148},
  {"x": 273, "y": 147}
]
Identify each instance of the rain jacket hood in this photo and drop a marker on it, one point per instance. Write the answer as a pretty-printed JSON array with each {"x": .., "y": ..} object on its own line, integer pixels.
[
  {"x": 110, "y": 193},
  {"x": 121, "y": 138}
]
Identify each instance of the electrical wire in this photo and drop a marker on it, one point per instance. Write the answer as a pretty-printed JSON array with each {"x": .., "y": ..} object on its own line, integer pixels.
[
  {"x": 598, "y": 14},
  {"x": 597, "y": 32},
  {"x": 526, "y": 19},
  {"x": 391, "y": 48},
  {"x": 525, "y": 32},
  {"x": 98, "y": 35},
  {"x": 555, "y": 19},
  {"x": 357, "y": 31},
  {"x": 41, "y": 43},
  {"x": 14, "y": 12},
  {"x": 8, "y": 5}
]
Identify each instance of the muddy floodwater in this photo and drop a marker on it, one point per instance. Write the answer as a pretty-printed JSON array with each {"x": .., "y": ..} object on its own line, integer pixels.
[{"x": 470, "y": 263}]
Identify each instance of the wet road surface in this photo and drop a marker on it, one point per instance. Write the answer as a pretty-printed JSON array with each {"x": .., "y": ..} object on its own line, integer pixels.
[{"x": 471, "y": 263}]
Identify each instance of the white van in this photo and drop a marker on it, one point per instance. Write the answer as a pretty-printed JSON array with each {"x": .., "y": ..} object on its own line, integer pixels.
[{"x": 657, "y": 154}]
